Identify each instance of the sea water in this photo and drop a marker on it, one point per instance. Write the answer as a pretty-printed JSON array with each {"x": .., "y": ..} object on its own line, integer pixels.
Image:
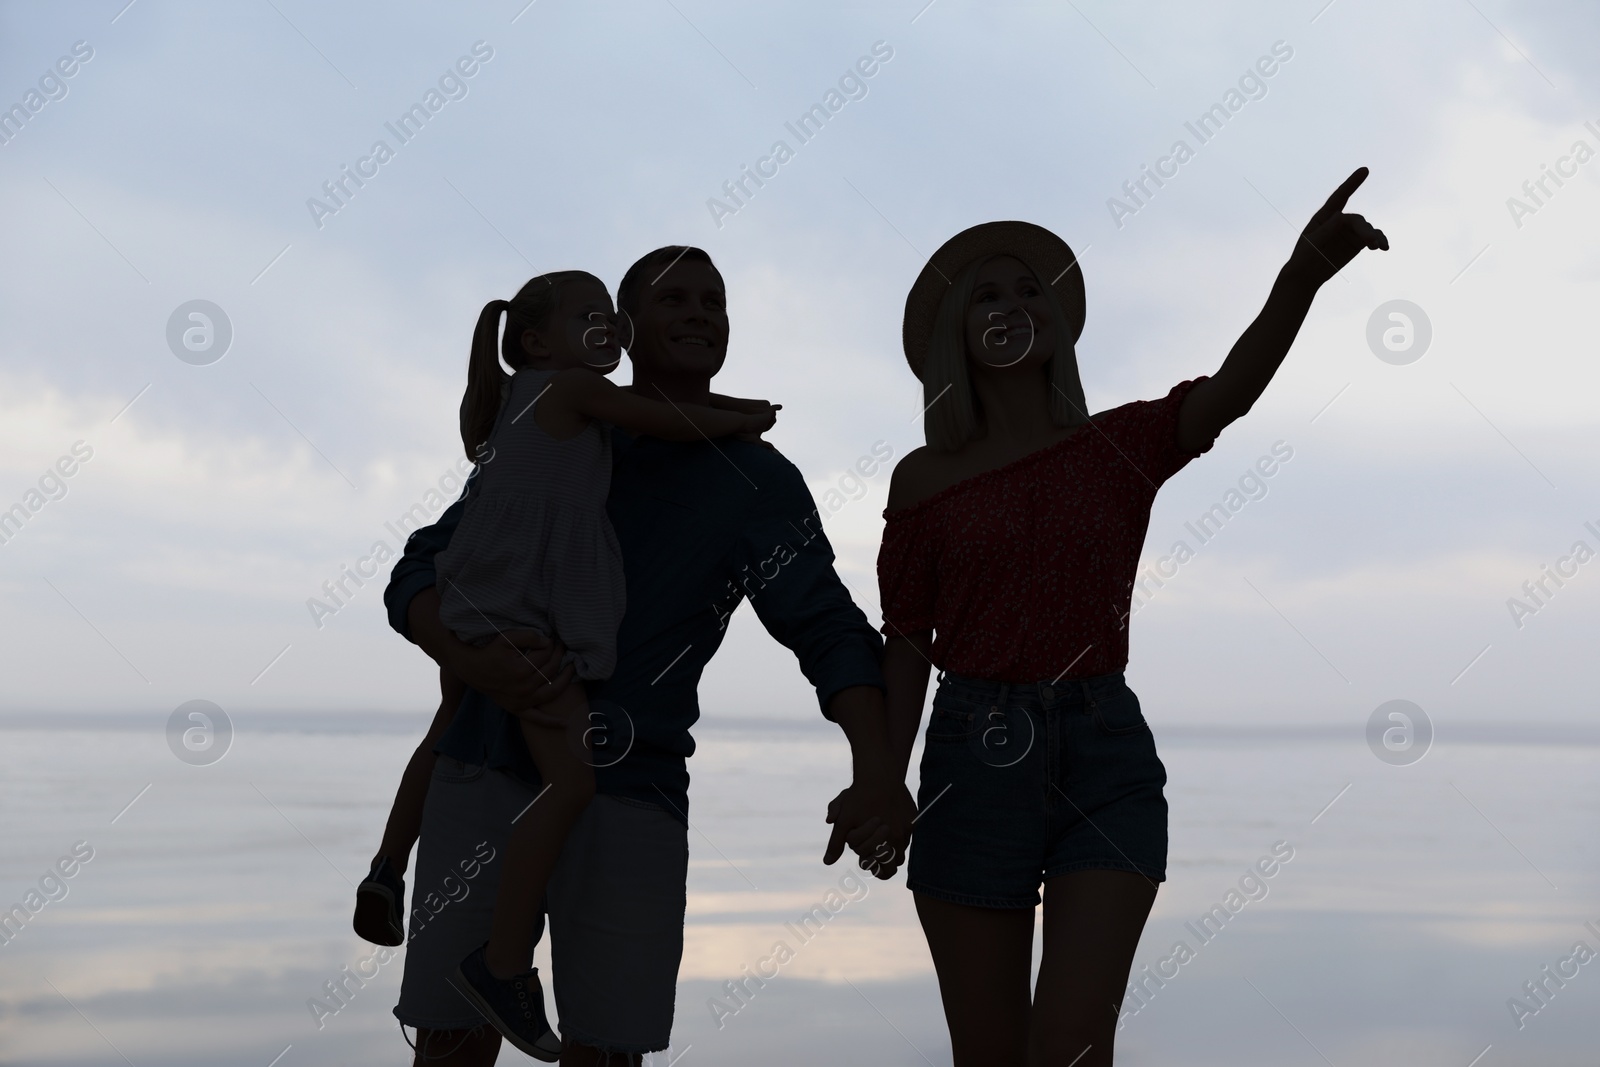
[{"x": 1409, "y": 909}]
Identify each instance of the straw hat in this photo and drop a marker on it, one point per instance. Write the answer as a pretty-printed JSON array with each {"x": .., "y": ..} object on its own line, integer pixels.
[{"x": 1036, "y": 246}]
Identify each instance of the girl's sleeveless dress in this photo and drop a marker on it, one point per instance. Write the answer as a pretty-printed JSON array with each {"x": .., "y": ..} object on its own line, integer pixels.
[{"x": 535, "y": 549}]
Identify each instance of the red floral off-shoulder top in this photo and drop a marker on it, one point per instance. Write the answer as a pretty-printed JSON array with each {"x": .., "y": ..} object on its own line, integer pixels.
[{"x": 1024, "y": 573}]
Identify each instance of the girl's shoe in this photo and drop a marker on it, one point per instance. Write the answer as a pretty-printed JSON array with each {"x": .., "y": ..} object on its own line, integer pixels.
[
  {"x": 381, "y": 906},
  {"x": 514, "y": 1005}
]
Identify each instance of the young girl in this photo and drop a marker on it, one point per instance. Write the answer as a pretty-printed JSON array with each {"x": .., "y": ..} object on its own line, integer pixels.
[
  {"x": 535, "y": 551},
  {"x": 1009, "y": 550}
]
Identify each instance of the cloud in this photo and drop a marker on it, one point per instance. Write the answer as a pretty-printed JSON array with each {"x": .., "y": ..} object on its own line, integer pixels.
[{"x": 218, "y": 503}]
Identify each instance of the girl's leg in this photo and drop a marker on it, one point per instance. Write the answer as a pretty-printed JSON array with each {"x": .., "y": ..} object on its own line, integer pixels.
[
  {"x": 1092, "y": 923},
  {"x": 539, "y": 833},
  {"x": 405, "y": 817},
  {"x": 983, "y": 957}
]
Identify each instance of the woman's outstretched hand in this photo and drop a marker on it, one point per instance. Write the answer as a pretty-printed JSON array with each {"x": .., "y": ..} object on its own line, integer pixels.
[
  {"x": 1333, "y": 238},
  {"x": 1330, "y": 240}
]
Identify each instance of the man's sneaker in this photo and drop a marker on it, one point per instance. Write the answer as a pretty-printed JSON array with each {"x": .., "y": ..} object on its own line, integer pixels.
[
  {"x": 514, "y": 1005},
  {"x": 381, "y": 906}
]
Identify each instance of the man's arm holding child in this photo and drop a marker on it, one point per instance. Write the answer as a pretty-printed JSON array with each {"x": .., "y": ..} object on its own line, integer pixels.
[{"x": 520, "y": 669}]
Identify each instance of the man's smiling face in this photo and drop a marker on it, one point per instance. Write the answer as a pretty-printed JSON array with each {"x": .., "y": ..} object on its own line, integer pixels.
[{"x": 681, "y": 328}]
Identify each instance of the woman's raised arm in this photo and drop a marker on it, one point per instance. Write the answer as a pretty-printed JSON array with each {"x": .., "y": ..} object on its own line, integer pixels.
[{"x": 1330, "y": 240}]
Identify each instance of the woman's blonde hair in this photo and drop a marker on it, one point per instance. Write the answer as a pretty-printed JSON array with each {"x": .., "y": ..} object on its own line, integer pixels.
[{"x": 953, "y": 410}]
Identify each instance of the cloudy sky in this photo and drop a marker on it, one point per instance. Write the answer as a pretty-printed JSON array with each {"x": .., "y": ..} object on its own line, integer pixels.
[{"x": 176, "y": 163}]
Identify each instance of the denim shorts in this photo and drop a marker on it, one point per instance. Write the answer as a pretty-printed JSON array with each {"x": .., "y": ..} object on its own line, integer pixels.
[{"x": 1024, "y": 782}]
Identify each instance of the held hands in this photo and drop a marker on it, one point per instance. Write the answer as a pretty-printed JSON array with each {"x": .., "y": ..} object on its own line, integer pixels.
[
  {"x": 1332, "y": 238},
  {"x": 874, "y": 819}
]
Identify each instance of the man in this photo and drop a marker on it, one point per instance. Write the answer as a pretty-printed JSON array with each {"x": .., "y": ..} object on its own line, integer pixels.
[{"x": 702, "y": 526}]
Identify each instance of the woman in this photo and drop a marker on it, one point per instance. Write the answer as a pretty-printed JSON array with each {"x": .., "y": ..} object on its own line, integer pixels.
[{"x": 1007, "y": 562}]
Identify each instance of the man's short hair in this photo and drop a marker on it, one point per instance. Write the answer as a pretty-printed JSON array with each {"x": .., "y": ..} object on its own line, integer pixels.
[{"x": 650, "y": 267}]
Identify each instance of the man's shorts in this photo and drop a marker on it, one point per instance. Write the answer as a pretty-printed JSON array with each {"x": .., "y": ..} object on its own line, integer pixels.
[{"x": 615, "y": 904}]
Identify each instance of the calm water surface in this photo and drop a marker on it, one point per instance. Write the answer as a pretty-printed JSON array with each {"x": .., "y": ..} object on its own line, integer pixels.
[{"x": 1417, "y": 902}]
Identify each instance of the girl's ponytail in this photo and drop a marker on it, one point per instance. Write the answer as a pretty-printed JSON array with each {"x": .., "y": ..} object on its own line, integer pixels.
[
  {"x": 481, "y": 403},
  {"x": 530, "y": 309}
]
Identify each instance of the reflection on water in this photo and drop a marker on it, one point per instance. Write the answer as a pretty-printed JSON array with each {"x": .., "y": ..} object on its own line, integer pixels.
[{"x": 207, "y": 908}]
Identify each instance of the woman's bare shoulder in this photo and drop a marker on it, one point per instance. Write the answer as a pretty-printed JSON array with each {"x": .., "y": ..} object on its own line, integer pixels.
[{"x": 921, "y": 473}]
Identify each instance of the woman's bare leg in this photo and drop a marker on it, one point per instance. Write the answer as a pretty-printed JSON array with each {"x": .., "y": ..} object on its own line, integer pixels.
[
  {"x": 539, "y": 834},
  {"x": 983, "y": 957},
  {"x": 1092, "y": 923}
]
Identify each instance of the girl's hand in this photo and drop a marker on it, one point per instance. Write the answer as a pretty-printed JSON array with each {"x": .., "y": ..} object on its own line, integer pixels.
[
  {"x": 760, "y": 422},
  {"x": 1332, "y": 238},
  {"x": 739, "y": 403}
]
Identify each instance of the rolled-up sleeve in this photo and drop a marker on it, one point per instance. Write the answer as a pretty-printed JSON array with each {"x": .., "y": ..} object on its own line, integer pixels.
[
  {"x": 786, "y": 564},
  {"x": 415, "y": 571}
]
